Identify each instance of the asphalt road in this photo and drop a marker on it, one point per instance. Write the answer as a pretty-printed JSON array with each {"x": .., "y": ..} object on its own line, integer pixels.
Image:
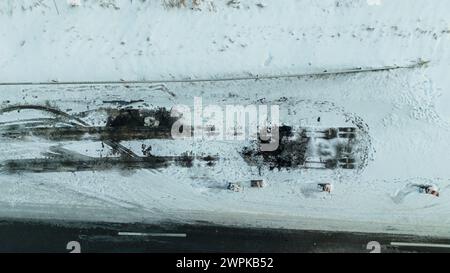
[{"x": 65, "y": 237}]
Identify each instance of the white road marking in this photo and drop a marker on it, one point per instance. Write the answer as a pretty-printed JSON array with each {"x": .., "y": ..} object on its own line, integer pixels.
[
  {"x": 420, "y": 245},
  {"x": 126, "y": 233}
]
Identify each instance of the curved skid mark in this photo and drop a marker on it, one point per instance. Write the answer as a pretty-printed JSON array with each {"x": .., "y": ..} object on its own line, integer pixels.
[{"x": 114, "y": 145}]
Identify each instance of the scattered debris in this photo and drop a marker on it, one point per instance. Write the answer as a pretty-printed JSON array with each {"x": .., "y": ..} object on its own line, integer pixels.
[
  {"x": 210, "y": 160},
  {"x": 185, "y": 160},
  {"x": 257, "y": 183},
  {"x": 151, "y": 122},
  {"x": 174, "y": 3},
  {"x": 414, "y": 189},
  {"x": 159, "y": 117},
  {"x": 234, "y": 4},
  {"x": 192, "y": 4},
  {"x": 122, "y": 102},
  {"x": 333, "y": 145},
  {"x": 429, "y": 189},
  {"x": 146, "y": 150},
  {"x": 325, "y": 187},
  {"x": 108, "y": 4},
  {"x": 236, "y": 187},
  {"x": 290, "y": 152},
  {"x": 74, "y": 3}
]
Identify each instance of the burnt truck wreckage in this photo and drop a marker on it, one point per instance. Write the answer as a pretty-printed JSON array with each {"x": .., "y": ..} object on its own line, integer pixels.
[
  {"x": 313, "y": 148},
  {"x": 308, "y": 148}
]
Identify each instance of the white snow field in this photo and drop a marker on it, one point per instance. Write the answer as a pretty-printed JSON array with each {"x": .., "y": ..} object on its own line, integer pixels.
[{"x": 405, "y": 111}]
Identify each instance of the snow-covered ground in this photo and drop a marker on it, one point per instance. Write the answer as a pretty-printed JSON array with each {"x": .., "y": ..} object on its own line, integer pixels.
[
  {"x": 405, "y": 109},
  {"x": 136, "y": 40}
]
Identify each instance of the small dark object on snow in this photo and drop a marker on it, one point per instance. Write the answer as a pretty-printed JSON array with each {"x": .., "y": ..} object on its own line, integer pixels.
[
  {"x": 257, "y": 183},
  {"x": 236, "y": 187},
  {"x": 331, "y": 133},
  {"x": 430, "y": 189},
  {"x": 326, "y": 187}
]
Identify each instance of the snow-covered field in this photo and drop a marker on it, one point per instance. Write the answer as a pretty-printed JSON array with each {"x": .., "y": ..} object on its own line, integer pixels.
[
  {"x": 405, "y": 110},
  {"x": 136, "y": 40}
]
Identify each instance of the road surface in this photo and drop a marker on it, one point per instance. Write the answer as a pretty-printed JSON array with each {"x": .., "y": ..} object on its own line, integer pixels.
[{"x": 40, "y": 236}]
